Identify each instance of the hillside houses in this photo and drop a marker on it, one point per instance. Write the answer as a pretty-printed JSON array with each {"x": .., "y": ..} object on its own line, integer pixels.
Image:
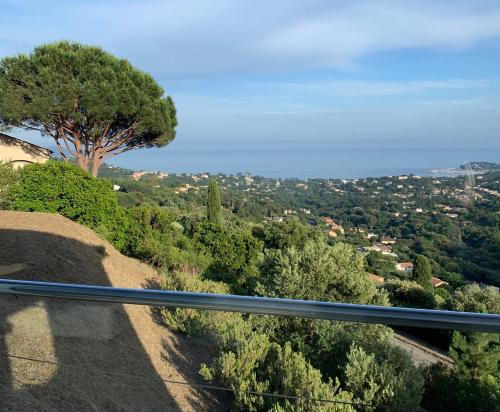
[
  {"x": 332, "y": 226},
  {"x": 436, "y": 282},
  {"x": 404, "y": 267},
  {"x": 379, "y": 247}
]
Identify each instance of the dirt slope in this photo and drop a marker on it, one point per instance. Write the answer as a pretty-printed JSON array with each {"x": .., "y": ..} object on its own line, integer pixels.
[{"x": 78, "y": 356}]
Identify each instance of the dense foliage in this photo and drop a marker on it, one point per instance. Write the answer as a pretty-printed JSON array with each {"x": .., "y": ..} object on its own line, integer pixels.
[
  {"x": 8, "y": 176},
  {"x": 422, "y": 272},
  {"x": 458, "y": 231},
  {"x": 354, "y": 365},
  {"x": 213, "y": 204},
  {"x": 63, "y": 188}
]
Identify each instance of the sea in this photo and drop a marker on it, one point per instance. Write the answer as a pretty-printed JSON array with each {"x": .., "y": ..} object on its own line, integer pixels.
[{"x": 307, "y": 162}]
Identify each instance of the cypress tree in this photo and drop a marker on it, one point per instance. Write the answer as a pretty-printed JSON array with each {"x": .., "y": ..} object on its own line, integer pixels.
[
  {"x": 213, "y": 203},
  {"x": 422, "y": 273}
]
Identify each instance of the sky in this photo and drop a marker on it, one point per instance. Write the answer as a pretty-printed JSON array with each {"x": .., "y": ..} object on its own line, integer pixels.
[{"x": 312, "y": 74}]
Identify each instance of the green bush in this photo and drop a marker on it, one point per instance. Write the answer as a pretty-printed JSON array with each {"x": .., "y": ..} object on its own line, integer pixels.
[
  {"x": 249, "y": 362},
  {"x": 476, "y": 298},
  {"x": 236, "y": 254},
  {"x": 446, "y": 390},
  {"x": 60, "y": 187},
  {"x": 410, "y": 294},
  {"x": 191, "y": 321},
  {"x": 156, "y": 237},
  {"x": 317, "y": 271},
  {"x": 282, "y": 235},
  {"x": 246, "y": 360},
  {"x": 386, "y": 379},
  {"x": 8, "y": 177}
]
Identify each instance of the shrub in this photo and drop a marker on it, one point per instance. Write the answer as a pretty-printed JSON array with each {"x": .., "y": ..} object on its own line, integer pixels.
[
  {"x": 246, "y": 360},
  {"x": 60, "y": 187},
  {"x": 446, "y": 390},
  {"x": 317, "y": 271},
  {"x": 8, "y": 177},
  {"x": 475, "y": 298},
  {"x": 156, "y": 236},
  {"x": 387, "y": 378},
  {"x": 191, "y": 321},
  {"x": 249, "y": 362},
  {"x": 236, "y": 254},
  {"x": 410, "y": 294}
]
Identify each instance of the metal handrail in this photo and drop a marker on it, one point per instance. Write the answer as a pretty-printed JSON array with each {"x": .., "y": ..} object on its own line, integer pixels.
[{"x": 424, "y": 318}]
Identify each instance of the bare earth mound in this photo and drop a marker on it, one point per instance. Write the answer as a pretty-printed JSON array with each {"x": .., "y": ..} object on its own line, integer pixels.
[{"x": 80, "y": 356}]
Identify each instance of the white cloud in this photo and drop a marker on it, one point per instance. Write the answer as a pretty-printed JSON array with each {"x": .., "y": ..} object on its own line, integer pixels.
[
  {"x": 385, "y": 88},
  {"x": 196, "y": 37},
  {"x": 341, "y": 34}
]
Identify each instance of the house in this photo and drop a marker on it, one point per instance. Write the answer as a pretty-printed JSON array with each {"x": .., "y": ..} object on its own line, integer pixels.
[
  {"x": 278, "y": 219},
  {"x": 183, "y": 189},
  {"x": 379, "y": 247},
  {"x": 337, "y": 228},
  {"x": 387, "y": 240},
  {"x": 327, "y": 220},
  {"x": 405, "y": 267},
  {"x": 375, "y": 278},
  {"x": 436, "y": 282},
  {"x": 332, "y": 233},
  {"x": 138, "y": 175},
  {"x": 20, "y": 153}
]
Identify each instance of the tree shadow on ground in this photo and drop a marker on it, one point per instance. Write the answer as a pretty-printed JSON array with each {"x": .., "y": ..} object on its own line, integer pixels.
[
  {"x": 68, "y": 355},
  {"x": 174, "y": 350}
]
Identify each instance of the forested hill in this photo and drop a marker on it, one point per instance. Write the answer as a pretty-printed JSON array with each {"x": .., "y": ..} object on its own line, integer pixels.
[
  {"x": 481, "y": 166},
  {"x": 454, "y": 224},
  {"x": 402, "y": 241}
]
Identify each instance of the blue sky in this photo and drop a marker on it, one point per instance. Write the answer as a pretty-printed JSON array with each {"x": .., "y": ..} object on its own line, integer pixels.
[{"x": 257, "y": 74}]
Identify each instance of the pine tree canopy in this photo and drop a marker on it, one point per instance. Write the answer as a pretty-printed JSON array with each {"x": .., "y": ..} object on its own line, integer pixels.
[{"x": 93, "y": 104}]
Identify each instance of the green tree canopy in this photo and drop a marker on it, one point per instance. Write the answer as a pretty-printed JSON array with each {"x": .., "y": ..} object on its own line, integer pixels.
[
  {"x": 422, "y": 273},
  {"x": 236, "y": 254},
  {"x": 474, "y": 298},
  {"x": 318, "y": 271},
  {"x": 476, "y": 355},
  {"x": 91, "y": 103},
  {"x": 213, "y": 203}
]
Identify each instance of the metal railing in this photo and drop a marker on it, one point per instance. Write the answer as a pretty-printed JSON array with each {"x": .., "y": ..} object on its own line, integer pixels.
[{"x": 424, "y": 318}]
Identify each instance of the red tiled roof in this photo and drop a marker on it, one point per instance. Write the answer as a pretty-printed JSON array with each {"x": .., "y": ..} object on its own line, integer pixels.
[{"x": 438, "y": 282}]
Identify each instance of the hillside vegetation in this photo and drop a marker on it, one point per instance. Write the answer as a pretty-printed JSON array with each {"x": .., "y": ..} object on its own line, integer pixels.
[{"x": 214, "y": 249}]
